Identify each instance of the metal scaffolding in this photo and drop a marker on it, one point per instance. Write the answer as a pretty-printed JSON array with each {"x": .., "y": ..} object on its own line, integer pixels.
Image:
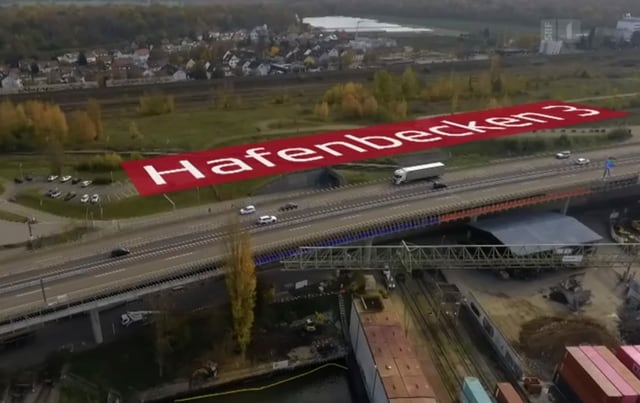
[{"x": 457, "y": 257}]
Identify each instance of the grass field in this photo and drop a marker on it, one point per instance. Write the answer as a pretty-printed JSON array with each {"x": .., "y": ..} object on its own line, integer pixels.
[{"x": 9, "y": 216}]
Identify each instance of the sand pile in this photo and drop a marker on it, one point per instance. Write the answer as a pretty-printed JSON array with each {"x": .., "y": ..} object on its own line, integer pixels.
[{"x": 545, "y": 338}]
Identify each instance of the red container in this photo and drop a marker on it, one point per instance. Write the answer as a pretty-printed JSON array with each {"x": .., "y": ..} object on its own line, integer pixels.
[
  {"x": 506, "y": 393},
  {"x": 585, "y": 379},
  {"x": 622, "y": 370},
  {"x": 629, "y": 395},
  {"x": 630, "y": 357}
]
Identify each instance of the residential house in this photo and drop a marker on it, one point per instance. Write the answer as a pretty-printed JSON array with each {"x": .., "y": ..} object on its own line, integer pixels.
[
  {"x": 179, "y": 75},
  {"x": 168, "y": 70},
  {"x": 190, "y": 64},
  {"x": 249, "y": 67},
  {"x": 140, "y": 57},
  {"x": 263, "y": 69},
  {"x": 234, "y": 62},
  {"x": 12, "y": 81}
]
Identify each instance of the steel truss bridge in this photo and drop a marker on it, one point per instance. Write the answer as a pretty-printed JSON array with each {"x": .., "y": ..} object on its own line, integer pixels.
[{"x": 464, "y": 257}]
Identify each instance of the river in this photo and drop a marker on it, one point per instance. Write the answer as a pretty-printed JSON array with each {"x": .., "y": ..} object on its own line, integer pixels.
[{"x": 329, "y": 384}]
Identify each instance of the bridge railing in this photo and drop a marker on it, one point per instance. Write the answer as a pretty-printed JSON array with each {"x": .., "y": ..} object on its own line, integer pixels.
[{"x": 278, "y": 251}]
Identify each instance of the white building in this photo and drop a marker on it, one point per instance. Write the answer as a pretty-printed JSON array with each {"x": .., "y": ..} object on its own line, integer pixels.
[
  {"x": 566, "y": 30},
  {"x": 627, "y": 26}
]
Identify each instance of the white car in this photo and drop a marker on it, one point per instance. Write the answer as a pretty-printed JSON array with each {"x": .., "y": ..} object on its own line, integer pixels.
[
  {"x": 95, "y": 199},
  {"x": 84, "y": 199},
  {"x": 563, "y": 155},
  {"x": 85, "y": 184},
  {"x": 51, "y": 178},
  {"x": 250, "y": 209},
  {"x": 65, "y": 178},
  {"x": 267, "y": 219},
  {"x": 55, "y": 194},
  {"x": 582, "y": 161}
]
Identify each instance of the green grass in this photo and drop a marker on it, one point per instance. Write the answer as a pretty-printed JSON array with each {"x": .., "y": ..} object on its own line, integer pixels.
[{"x": 9, "y": 216}]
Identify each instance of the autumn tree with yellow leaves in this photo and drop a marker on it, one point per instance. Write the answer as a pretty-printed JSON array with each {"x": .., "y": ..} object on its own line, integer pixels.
[{"x": 240, "y": 279}]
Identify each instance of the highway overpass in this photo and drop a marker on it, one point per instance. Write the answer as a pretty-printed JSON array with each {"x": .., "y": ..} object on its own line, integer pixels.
[{"x": 30, "y": 297}]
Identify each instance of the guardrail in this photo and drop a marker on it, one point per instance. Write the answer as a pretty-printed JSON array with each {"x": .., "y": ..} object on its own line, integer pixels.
[{"x": 125, "y": 290}]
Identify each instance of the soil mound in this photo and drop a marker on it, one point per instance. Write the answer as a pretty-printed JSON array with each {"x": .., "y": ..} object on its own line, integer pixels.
[{"x": 545, "y": 338}]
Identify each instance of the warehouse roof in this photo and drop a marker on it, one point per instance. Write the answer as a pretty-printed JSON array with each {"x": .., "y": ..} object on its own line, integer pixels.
[{"x": 537, "y": 229}]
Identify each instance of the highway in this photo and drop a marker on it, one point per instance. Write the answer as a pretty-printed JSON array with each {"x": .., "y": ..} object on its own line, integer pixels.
[
  {"x": 311, "y": 202},
  {"x": 89, "y": 279}
]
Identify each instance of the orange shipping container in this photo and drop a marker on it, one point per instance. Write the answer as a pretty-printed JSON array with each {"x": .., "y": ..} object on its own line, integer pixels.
[
  {"x": 585, "y": 379},
  {"x": 506, "y": 393}
]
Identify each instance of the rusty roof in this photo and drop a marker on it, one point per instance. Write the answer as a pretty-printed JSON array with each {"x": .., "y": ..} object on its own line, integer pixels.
[{"x": 392, "y": 351}]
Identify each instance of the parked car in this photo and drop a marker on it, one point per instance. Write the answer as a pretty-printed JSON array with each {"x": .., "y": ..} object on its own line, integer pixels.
[
  {"x": 563, "y": 155},
  {"x": 65, "y": 178},
  {"x": 75, "y": 181},
  {"x": 84, "y": 199},
  {"x": 95, "y": 198},
  {"x": 85, "y": 184},
  {"x": 51, "y": 178},
  {"x": 288, "y": 207},
  {"x": 267, "y": 219},
  {"x": 69, "y": 196},
  {"x": 55, "y": 194},
  {"x": 250, "y": 209},
  {"x": 51, "y": 191},
  {"x": 18, "y": 180},
  {"x": 582, "y": 161},
  {"x": 28, "y": 178}
]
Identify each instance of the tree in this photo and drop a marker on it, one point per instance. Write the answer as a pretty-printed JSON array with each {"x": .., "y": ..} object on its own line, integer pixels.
[
  {"x": 241, "y": 283},
  {"x": 351, "y": 107},
  {"x": 410, "y": 84},
  {"x": 81, "y": 127},
  {"x": 94, "y": 111},
  {"x": 370, "y": 107},
  {"x": 322, "y": 111},
  {"x": 346, "y": 59},
  {"x": 170, "y": 333},
  {"x": 384, "y": 88},
  {"x": 82, "y": 59}
]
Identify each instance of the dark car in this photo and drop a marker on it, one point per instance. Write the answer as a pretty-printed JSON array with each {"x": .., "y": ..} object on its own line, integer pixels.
[
  {"x": 439, "y": 185},
  {"x": 118, "y": 252},
  {"x": 75, "y": 181},
  {"x": 28, "y": 178},
  {"x": 289, "y": 206},
  {"x": 18, "y": 180},
  {"x": 69, "y": 196}
]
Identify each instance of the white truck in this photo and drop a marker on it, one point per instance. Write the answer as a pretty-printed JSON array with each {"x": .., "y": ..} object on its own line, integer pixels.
[{"x": 418, "y": 172}]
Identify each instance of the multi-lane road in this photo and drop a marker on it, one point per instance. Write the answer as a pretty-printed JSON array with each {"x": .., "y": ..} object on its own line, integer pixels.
[{"x": 21, "y": 290}]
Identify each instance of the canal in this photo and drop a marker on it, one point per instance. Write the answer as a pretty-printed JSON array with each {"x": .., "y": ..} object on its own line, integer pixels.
[{"x": 328, "y": 384}]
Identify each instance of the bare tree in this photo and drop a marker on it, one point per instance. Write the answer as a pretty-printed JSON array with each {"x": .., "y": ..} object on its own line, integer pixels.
[{"x": 241, "y": 283}]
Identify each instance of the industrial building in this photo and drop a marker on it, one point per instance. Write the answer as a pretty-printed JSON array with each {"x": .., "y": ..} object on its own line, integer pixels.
[
  {"x": 540, "y": 232},
  {"x": 627, "y": 26},
  {"x": 384, "y": 354},
  {"x": 555, "y": 34}
]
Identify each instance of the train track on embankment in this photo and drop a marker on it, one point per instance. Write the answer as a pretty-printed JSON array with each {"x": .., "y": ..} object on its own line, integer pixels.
[
  {"x": 451, "y": 349},
  {"x": 196, "y": 91}
]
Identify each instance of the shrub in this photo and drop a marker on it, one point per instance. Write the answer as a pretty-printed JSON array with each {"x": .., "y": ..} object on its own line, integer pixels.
[
  {"x": 101, "y": 163},
  {"x": 102, "y": 180},
  {"x": 156, "y": 104}
]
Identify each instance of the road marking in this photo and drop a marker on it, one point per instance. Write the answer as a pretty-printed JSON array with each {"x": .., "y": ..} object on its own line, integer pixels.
[
  {"x": 24, "y": 294},
  {"x": 350, "y": 217},
  {"x": 299, "y": 228},
  {"x": 47, "y": 260},
  {"x": 398, "y": 207},
  {"x": 179, "y": 256},
  {"x": 109, "y": 273}
]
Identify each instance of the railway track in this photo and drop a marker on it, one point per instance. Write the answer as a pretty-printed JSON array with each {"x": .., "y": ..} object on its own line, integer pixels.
[{"x": 450, "y": 346}]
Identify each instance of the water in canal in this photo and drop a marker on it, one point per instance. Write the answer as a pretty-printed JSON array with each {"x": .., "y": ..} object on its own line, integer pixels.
[{"x": 327, "y": 385}]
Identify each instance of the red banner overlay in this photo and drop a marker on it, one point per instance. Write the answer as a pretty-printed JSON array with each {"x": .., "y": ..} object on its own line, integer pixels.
[{"x": 230, "y": 164}]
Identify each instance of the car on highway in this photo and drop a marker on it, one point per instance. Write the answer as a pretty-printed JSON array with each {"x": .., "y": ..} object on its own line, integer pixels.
[
  {"x": 69, "y": 196},
  {"x": 51, "y": 178},
  {"x": 563, "y": 155},
  {"x": 439, "y": 185},
  {"x": 85, "y": 184},
  {"x": 582, "y": 161},
  {"x": 95, "y": 198},
  {"x": 65, "y": 178},
  {"x": 267, "y": 219},
  {"x": 85, "y": 198},
  {"x": 288, "y": 207},
  {"x": 250, "y": 209},
  {"x": 119, "y": 252}
]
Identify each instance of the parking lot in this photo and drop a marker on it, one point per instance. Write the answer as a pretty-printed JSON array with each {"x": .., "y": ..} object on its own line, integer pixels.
[{"x": 63, "y": 190}]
